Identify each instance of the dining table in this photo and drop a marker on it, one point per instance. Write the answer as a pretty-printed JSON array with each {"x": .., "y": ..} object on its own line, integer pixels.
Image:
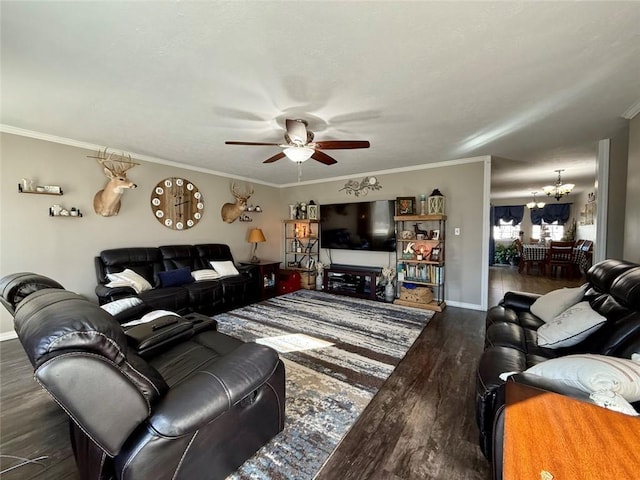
[{"x": 538, "y": 252}]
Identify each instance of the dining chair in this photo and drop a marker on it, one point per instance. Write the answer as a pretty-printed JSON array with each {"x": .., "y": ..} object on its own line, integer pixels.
[
  {"x": 587, "y": 252},
  {"x": 560, "y": 257},
  {"x": 527, "y": 260}
]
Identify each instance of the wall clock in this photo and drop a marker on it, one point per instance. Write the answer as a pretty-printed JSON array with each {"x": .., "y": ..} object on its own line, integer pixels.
[{"x": 177, "y": 203}]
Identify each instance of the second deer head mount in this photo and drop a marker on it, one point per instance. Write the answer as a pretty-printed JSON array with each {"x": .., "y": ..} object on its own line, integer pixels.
[
  {"x": 231, "y": 211},
  {"x": 106, "y": 202}
]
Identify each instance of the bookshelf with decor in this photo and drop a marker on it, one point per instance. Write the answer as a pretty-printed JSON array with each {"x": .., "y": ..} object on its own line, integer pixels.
[
  {"x": 420, "y": 261},
  {"x": 302, "y": 249}
]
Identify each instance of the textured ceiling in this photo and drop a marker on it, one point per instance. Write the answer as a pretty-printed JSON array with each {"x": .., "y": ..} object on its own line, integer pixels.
[{"x": 536, "y": 84}]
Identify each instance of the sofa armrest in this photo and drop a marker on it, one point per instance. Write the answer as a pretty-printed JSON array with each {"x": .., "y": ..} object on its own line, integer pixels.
[
  {"x": 245, "y": 269},
  {"x": 106, "y": 294},
  {"x": 519, "y": 301},
  {"x": 147, "y": 339},
  {"x": 214, "y": 389}
]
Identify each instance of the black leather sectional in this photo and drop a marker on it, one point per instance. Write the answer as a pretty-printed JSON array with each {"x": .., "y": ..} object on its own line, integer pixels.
[
  {"x": 511, "y": 343},
  {"x": 204, "y": 296},
  {"x": 192, "y": 404}
]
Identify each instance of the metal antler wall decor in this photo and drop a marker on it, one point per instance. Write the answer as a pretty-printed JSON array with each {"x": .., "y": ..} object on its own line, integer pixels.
[{"x": 362, "y": 187}]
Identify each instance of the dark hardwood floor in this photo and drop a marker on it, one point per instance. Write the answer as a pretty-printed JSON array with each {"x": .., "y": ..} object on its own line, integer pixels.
[{"x": 420, "y": 425}]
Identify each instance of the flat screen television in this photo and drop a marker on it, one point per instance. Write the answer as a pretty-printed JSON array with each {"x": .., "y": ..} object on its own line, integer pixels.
[{"x": 365, "y": 226}]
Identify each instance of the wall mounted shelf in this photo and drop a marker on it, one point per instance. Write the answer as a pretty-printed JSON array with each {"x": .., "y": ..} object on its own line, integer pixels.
[{"x": 43, "y": 190}]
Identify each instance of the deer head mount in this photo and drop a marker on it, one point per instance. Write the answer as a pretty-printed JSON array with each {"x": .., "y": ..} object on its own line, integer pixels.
[
  {"x": 231, "y": 211},
  {"x": 107, "y": 201}
]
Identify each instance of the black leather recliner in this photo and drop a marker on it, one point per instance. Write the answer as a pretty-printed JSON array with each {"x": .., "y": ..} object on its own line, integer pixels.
[
  {"x": 511, "y": 341},
  {"x": 195, "y": 408}
]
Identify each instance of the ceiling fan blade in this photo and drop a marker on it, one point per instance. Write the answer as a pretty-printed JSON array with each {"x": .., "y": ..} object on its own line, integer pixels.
[
  {"x": 297, "y": 131},
  {"x": 277, "y": 156},
  {"x": 252, "y": 143},
  {"x": 342, "y": 144},
  {"x": 323, "y": 158}
]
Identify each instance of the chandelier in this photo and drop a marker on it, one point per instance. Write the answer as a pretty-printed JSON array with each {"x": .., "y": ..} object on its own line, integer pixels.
[
  {"x": 534, "y": 203},
  {"x": 559, "y": 189}
]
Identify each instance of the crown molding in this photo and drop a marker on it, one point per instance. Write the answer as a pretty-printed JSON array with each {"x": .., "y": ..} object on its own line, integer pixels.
[
  {"x": 632, "y": 111},
  {"x": 147, "y": 158}
]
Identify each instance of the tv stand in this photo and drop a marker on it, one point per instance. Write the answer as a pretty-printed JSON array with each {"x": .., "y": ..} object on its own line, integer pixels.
[{"x": 352, "y": 280}]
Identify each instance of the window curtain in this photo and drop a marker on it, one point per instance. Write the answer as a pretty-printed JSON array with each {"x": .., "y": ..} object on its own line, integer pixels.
[
  {"x": 508, "y": 213},
  {"x": 551, "y": 213}
]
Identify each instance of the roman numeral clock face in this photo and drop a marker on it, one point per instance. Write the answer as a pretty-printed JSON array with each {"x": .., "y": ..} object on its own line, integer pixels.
[{"x": 177, "y": 203}]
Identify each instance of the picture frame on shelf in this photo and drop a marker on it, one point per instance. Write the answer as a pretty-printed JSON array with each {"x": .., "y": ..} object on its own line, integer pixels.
[
  {"x": 311, "y": 264},
  {"x": 405, "y": 205},
  {"x": 435, "y": 234},
  {"x": 435, "y": 254},
  {"x": 312, "y": 212}
]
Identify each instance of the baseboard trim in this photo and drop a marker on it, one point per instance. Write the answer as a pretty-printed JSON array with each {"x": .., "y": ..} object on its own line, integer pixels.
[
  {"x": 469, "y": 306},
  {"x": 8, "y": 336}
]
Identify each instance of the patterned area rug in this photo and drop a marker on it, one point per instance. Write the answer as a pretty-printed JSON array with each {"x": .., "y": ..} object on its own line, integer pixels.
[{"x": 327, "y": 388}]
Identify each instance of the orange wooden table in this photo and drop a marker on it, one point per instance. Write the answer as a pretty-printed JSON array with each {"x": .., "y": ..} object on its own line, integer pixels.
[{"x": 548, "y": 436}]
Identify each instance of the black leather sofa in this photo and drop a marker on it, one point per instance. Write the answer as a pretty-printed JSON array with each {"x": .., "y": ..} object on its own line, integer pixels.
[
  {"x": 195, "y": 407},
  {"x": 511, "y": 343},
  {"x": 204, "y": 296}
]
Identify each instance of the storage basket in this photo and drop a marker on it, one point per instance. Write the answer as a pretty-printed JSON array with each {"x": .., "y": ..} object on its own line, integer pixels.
[
  {"x": 417, "y": 294},
  {"x": 308, "y": 280}
]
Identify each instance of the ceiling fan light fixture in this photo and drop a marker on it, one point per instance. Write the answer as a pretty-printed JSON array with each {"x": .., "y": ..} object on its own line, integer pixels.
[{"x": 299, "y": 154}]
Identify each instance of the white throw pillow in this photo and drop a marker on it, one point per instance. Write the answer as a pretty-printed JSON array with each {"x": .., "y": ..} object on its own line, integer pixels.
[
  {"x": 206, "y": 274},
  {"x": 119, "y": 306},
  {"x": 570, "y": 327},
  {"x": 117, "y": 283},
  {"x": 613, "y": 401},
  {"x": 225, "y": 268},
  {"x": 548, "y": 306},
  {"x": 135, "y": 281},
  {"x": 594, "y": 374}
]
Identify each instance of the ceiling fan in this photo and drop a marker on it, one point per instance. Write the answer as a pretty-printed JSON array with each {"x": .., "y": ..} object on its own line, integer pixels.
[{"x": 300, "y": 147}]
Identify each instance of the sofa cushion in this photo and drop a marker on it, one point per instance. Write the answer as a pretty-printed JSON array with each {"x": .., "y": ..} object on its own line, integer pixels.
[
  {"x": 570, "y": 327},
  {"x": 548, "y": 306},
  {"x": 175, "y": 278}
]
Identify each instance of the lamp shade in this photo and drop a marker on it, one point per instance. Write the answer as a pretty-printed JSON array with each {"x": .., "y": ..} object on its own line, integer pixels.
[
  {"x": 299, "y": 154},
  {"x": 256, "y": 236}
]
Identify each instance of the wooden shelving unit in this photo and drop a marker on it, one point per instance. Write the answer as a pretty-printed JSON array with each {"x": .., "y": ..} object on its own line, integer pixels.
[
  {"x": 302, "y": 249},
  {"x": 426, "y": 271}
]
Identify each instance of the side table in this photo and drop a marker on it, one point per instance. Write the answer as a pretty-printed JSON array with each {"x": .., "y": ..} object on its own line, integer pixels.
[
  {"x": 267, "y": 277},
  {"x": 552, "y": 436}
]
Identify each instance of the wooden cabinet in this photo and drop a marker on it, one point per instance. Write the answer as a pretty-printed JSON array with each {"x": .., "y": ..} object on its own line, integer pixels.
[
  {"x": 302, "y": 249},
  {"x": 420, "y": 241},
  {"x": 267, "y": 273},
  {"x": 353, "y": 281}
]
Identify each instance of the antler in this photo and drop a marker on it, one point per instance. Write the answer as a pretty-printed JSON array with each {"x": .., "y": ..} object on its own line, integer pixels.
[
  {"x": 118, "y": 165},
  {"x": 238, "y": 194}
]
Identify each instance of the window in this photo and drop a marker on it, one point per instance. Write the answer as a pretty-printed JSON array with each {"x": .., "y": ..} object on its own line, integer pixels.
[
  {"x": 506, "y": 231},
  {"x": 552, "y": 231}
]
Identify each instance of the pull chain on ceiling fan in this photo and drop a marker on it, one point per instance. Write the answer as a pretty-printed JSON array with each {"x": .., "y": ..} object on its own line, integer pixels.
[{"x": 300, "y": 147}]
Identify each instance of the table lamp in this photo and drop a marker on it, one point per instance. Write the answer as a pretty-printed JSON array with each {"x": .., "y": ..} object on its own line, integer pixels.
[{"x": 255, "y": 236}]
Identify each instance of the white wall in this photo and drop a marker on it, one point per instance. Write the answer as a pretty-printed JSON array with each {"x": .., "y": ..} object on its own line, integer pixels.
[
  {"x": 461, "y": 182},
  {"x": 632, "y": 218},
  {"x": 64, "y": 248}
]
